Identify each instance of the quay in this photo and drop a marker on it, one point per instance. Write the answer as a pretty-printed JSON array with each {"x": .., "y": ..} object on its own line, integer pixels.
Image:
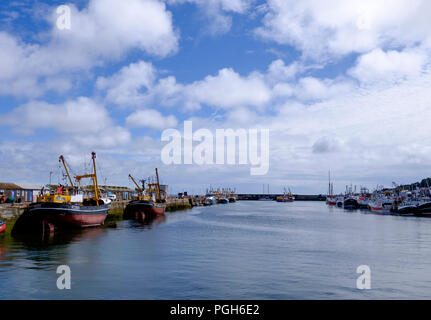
[{"x": 12, "y": 211}]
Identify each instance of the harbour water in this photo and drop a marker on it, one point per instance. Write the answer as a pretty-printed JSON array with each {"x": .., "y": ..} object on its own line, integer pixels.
[{"x": 243, "y": 250}]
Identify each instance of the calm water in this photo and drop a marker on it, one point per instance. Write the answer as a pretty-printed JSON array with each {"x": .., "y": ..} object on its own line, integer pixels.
[{"x": 246, "y": 250}]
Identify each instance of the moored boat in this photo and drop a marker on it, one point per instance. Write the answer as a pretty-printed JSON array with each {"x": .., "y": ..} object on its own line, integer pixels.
[
  {"x": 60, "y": 209},
  {"x": 222, "y": 200},
  {"x": 2, "y": 226},
  {"x": 286, "y": 197},
  {"x": 423, "y": 210},
  {"x": 351, "y": 203},
  {"x": 331, "y": 199},
  {"x": 339, "y": 201},
  {"x": 144, "y": 207}
]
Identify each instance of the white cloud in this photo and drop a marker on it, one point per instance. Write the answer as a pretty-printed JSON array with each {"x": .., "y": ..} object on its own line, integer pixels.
[
  {"x": 104, "y": 31},
  {"x": 228, "y": 89},
  {"x": 389, "y": 66},
  {"x": 81, "y": 120},
  {"x": 151, "y": 119},
  {"x": 125, "y": 87},
  {"x": 134, "y": 85},
  {"x": 310, "y": 88},
  {"x": 338, "y": 27}
]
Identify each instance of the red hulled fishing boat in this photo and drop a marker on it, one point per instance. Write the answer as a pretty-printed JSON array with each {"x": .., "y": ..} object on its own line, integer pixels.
[
  {"x": 2, "y": 226},
  {"x": 65, "y": 207},
  {"x": 148, "y": 204}
]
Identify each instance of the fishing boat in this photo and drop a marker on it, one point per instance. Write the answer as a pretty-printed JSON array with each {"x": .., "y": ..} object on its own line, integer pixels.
[
  {"x": 231, "y": 195},
  {"x": 2, "y": 226},
  {"x": 350, "y": 203},
  {"x": 265, "y": 199},
  {"x": 423, "y": 210},
  {"x": 381, "y": 205},
  {"x": 406, "y": 209},
  {"x": 363, "y": 202},
  {"x": 66, "y": 207},
  {"x": 331, "y": 199},
  {"x": 222, "y": 200},
  {"x": 148, "y": 204},
  {"x": 286, "y": 197},
  {"x": 339, "y": 201},
  {"x": 210, "y": 200}
]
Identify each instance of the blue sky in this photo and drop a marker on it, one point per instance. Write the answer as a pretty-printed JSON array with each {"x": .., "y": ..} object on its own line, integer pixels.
[{"x": 341, "y": 87}]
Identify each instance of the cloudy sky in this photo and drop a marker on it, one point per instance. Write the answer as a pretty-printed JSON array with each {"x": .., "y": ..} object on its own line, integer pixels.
[{"x": 342, "y": 85}]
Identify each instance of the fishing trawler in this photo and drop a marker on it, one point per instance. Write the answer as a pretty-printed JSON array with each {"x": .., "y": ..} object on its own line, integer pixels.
[
  {"x": 148, "y": 204},
  {"x": 66, "y": 207},
  {"x": 286, "y": 197}
]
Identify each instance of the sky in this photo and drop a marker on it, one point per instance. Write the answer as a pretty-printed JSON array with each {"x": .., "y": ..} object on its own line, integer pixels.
[{"x": 340, "y": 85}]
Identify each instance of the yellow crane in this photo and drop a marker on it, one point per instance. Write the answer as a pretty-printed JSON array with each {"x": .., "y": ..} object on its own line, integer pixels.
[
  {"x": 61, "y": 159},
  {"x": 137, "y": 185},
  {"x": 93, "y": 176}
]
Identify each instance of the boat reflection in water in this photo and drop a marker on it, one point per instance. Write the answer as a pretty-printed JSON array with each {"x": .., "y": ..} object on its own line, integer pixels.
[
  {"x": 58, "y": 238},
  {"x": 148, "y": 223}
]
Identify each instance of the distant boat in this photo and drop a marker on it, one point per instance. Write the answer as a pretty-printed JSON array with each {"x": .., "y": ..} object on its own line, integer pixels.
[
  {"x": 232, "y": 199},
  {"x": 286, "y": 197},
  {"x": 2, "y": 226},
  {"x": 363, "y": 202},
  {"x": 222, "y": 200},
  {"x": 210, "y": 200},
  {"x": 406, "y": 209},
  {"x": 339, "y": 201},
  {"x": 423, "y": 210},
  {"x": 383, "y": 206},
  {"x": 331, "y": 199},
  {"x": 265, "y": 199},
  {"x": 350, "y": 203}
]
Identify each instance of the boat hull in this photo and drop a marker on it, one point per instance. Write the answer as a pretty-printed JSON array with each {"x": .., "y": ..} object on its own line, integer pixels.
[
  {"x": 351, "y": 204},
  {"x": 49, "y": 217},
  {"x": 2, "y": 227},
  {"x": 423, "y": 210},
  {"x": 143, "y": 210}
]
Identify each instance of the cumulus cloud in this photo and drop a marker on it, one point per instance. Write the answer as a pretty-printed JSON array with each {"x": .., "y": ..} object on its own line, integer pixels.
[
  {"x": 125, "y": 87},
  {"x": 389, "y": 66},
  {"x": 337, "y": 27},
  {"x": 81, "y": 120},
  {"x": 151, "y": 119},
  {"x": 104, "y": 31},
  {"x": 135, "y": 85}
]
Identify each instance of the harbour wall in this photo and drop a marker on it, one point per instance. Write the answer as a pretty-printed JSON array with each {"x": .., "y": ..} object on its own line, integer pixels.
[{"x": 9, "y": 211}]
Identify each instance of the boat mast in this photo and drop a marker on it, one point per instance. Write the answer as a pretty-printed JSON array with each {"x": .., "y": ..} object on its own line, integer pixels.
[
  {"x": 67, "y": 171},
  {"x": 96, "y": 187},
  {"x": 159, "y": 198},
  {"x": 92, "y": 176}
]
